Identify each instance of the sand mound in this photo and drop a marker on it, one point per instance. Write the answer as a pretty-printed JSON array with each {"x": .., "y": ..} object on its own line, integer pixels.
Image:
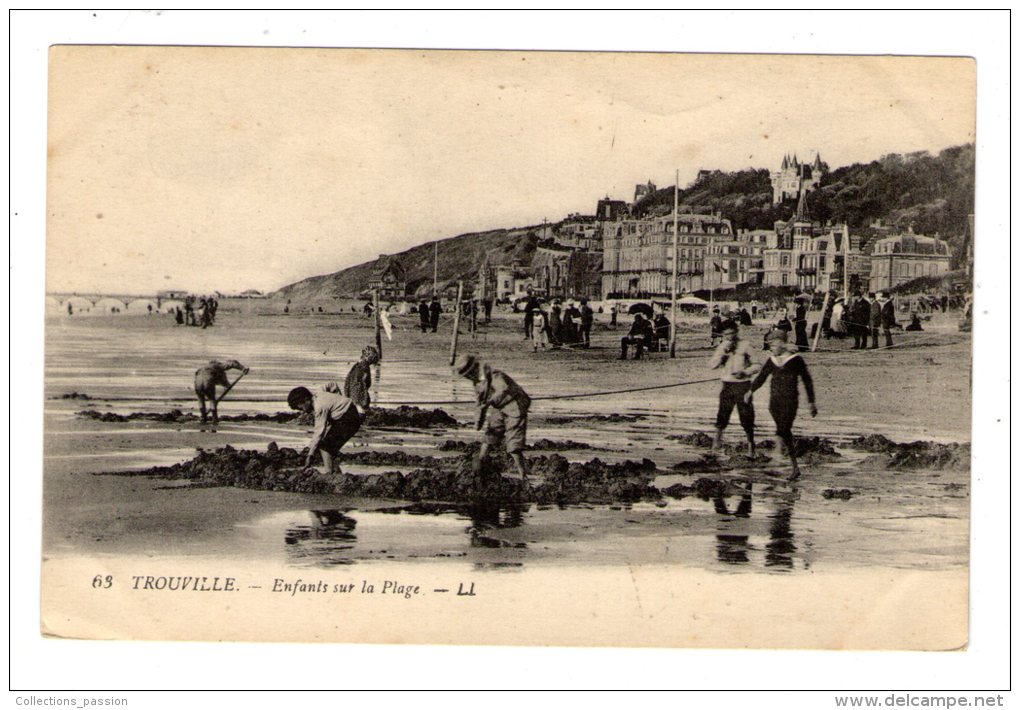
[
  {"x": 404, "y": 416},
  {"x": 915, "y": 455},
  {"x": 837, "y": 494},
  {"x": 407, "y": 416},
  {"x": 450, "y": 479},
  {"x": 176, "y": 416},
  {"x": 607, "y": 418},
  {"x": 704, "y": 488},
  {"x": 539, "y": 445}
]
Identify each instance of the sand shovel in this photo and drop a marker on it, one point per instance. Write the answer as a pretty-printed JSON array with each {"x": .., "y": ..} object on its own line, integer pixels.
[{"x": 231, "y": 386}]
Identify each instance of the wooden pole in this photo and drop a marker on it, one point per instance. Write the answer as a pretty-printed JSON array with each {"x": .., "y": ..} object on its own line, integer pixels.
[
  {"x": 825, "y": 305},
  {"x": 230, "y": 387},
  {"x": 846, "y": 260},
  {"x": 378, "y": 318},
  {"x": 456, "y": 324},
  {"x": 672, "y": 309},
  {"x": 473, "y": 303},
  {"x": 435, "y": 269}
]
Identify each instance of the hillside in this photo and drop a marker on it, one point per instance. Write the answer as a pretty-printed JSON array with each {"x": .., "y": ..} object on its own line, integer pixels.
[
  {"x": 459, "y": 258},
  {"x": 931, "y": 193}
]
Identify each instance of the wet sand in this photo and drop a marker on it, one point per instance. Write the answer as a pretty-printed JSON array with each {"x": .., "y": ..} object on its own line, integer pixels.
[{"x": 903, "y": 519}]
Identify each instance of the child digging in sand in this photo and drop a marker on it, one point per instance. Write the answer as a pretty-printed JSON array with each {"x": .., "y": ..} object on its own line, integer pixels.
[
  {"x": 502, "y": 409},
  {"x": 785, "y": 366}
]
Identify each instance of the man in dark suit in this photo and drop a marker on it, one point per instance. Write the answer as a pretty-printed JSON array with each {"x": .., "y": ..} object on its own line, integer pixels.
[
  {"x": 640, "y": 336},
  {"x": 435, "y": 310},
  {"x": 861, "y": 318},
  {"x": 888, "y": 318},
  {"x": 874, "y": 320},
  {"x": 423, "y": 315},
  {"x": 587, "y": 319}
]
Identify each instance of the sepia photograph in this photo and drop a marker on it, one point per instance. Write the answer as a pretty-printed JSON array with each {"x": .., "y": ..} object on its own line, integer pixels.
[{"x": 508, "y": 347}]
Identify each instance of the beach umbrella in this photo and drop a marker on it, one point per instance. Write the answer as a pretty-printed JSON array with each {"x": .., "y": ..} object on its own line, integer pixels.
[
  {"x": 644, "y": 309},
  {"x": 692, "y": 301}
]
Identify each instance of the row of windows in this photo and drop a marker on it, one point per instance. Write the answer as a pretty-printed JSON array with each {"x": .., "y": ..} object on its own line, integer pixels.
[{"x": 903, "y": 268}]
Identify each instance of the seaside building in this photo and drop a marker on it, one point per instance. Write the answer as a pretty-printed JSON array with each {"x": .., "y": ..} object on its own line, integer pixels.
[
  {"x": 608, "y": 210},
  {"x": 794, "y": 178},
  {"x": 638, "y": 254},
  {"x": 806, "y": 254},
  {"x": 738, "y": 260},
  {"x": 389, "y": 278},
  {"x": 901, "y": 258}
]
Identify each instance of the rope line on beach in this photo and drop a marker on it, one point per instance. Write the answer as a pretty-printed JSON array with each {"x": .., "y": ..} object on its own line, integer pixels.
[{"x": 579, "y": 395}]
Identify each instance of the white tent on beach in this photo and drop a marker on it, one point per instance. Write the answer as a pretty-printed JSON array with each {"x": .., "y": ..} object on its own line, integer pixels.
[
  {"x": 53, "y": 305},
  {"x": 171, "y": 306},
  {"x": 77, "y": 304},
  {"x": 142, "y": 305},
  {"x": 110, "y": 305}
]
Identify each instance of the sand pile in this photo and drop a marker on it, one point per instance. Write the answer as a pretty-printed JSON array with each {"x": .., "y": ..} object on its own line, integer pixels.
[
  {"x": 811, "y": 449},
  {"x": 451, "y": 479},
  {"x": 389, "y": 458},
  {"x": 613, "y": 418},
  {"x": 837, "y": 494},
  {"x": 176, "y": 416},
  {"x": 704, "y": 488},
  {"x": 539, "y": 445},
  {"x": 403, "y": 416},
  {"x": 915, "y": 455},
  {"x": 407, "y": 416}
]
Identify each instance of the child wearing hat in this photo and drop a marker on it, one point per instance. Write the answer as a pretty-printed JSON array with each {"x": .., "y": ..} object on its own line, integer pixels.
[
  {"x": 502, "y": 409},
  {"x": 785, "y": 367},
  {"x": 336, "y": 421}
]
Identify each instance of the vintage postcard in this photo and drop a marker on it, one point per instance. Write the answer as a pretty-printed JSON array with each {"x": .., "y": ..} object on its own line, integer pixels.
[{"x": 517, "y": 348}]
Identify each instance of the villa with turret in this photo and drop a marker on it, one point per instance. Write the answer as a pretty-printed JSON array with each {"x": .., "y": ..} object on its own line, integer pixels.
[{"x": 795, "y": 178}]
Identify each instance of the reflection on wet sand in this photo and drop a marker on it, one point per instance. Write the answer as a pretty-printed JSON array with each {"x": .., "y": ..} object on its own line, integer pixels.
[
  {"x": 780, "y": 550},
  {"x": 749, "y": 530},
  {"x": 733, "y": 546},
  {"x": 327, "y": 540},
  {"x": 488, "y": 517}
]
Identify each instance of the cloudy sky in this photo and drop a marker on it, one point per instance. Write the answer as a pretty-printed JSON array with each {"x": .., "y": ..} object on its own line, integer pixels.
[{"x": 218, "y": 168}]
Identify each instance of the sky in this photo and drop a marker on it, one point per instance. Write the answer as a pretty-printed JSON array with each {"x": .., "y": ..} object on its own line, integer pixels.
[{"x": 211, "y": 168}]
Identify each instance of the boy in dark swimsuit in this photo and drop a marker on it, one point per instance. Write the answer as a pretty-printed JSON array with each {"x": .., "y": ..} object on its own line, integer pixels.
[{"x": 785, "y": 366}]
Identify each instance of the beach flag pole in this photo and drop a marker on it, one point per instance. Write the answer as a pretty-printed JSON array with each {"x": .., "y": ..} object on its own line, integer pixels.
[
  {"x": 435, "y": 269},
  {"x": 825, "y": 304},
  {"x": 456, "y": 323},
  {"x": 672, "y": 315},
  {"x": 375, "y": 310}
]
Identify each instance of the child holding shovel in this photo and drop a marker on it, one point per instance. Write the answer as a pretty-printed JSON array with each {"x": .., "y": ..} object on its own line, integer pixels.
[
  {"x": 206, "y": 379},
  {"x": 502, "y": 409}
]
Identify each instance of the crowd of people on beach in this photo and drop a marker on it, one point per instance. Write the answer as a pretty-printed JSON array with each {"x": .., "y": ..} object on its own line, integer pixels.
[{"x": 197, "y": 311}]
